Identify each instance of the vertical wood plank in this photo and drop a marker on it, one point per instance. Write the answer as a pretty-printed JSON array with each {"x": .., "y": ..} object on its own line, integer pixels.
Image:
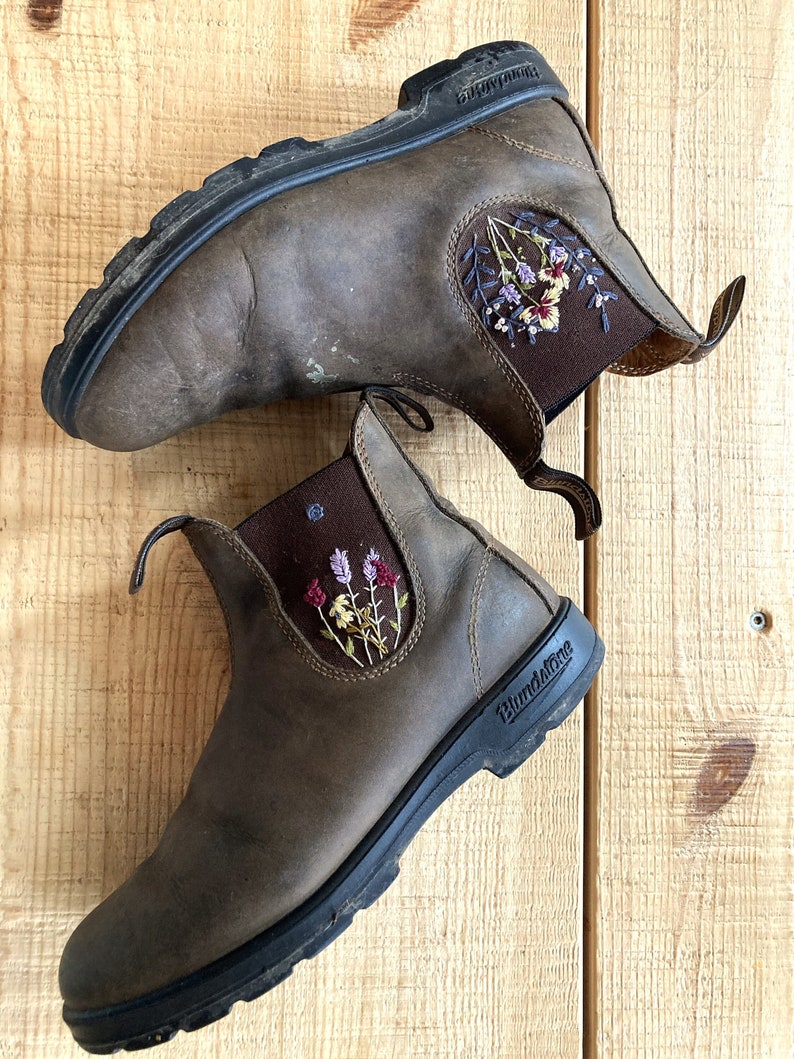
[
  {"x": 110, "y": 111},
  {"x": 697, "y": 711}
]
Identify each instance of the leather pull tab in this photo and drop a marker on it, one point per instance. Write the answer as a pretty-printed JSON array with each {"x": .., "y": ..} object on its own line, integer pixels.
[
  {"x": 723, "y": 313},
  {"x": 400, "y": 402},
  {"x": 583, "y": 500},
  {"x": 170, "y": 525}
]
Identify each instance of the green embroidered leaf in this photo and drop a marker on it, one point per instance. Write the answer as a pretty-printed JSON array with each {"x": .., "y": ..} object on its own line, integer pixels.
[
  {"x": 401, "y": 602},
  {"x": 394, "y": 626},
  {"x": 327, "y": 634},
  {"x": 349, "y": 647}
]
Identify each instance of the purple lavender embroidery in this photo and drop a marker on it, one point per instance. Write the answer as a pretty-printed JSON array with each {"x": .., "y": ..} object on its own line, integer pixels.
[
  {"x": 370, "y": 572},
  {"x": 530, "y": 300},
  {"x": 362, "y": 624},
  {"x": 525, "y": 273},
  {"x": 340, "y": 567},
  {"x": 510, "y": 294}
]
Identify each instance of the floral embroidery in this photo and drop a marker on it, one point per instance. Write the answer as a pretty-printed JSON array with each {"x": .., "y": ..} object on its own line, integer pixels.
[
  {"x": 361, "y": 617},
  {"x": 530, "y": 292}
]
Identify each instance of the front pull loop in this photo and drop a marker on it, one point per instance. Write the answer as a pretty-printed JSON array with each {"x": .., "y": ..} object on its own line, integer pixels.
[
  {"x": 399, "y": 401},
  {"x": 170, "y": 525},
  {"x": 581, "y": 497}
]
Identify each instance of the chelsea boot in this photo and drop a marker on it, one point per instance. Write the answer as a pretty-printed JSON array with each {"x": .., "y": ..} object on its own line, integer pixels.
[
  {"x": 384, "y": 649},
  {"x": 466, "y": 246}
]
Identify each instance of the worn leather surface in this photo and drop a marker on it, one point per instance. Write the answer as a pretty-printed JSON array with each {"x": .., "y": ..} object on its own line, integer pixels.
[
  {"x": 305, "y": 758},
  {"x": 345, "y": 282}
]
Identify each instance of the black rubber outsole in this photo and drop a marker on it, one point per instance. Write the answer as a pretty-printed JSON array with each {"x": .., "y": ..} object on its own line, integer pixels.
[
  {"x": 433, "y": 104},
  {"x": 498, "y": 734}
]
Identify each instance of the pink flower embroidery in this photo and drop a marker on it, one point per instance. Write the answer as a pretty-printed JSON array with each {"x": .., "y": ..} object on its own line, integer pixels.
[
  {"x": 386, "y": 576},
  {"x": 363, "y": 619},
  {"x": 555, "y": 273},
  {"x": 500, "y": 261},
  {"x": 547, "y": 311},
  {"x": 314, "y": 595}
]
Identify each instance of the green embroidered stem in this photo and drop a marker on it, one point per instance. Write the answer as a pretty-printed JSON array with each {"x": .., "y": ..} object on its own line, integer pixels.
[
  {"x": 336, "y": 639},
  {"x": 378, "y": 618},
  {"x": 493, "y": 235},
  {"x": 360, "y": 616}
]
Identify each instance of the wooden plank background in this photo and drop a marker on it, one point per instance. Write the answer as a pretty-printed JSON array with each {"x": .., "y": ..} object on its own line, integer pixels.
[{"x": 479, "y": 949}]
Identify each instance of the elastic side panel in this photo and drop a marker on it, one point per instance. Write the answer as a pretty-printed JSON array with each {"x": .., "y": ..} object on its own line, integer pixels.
[
  {"x": 341, "y": 579},
  {"x": 537, "y": 290}
]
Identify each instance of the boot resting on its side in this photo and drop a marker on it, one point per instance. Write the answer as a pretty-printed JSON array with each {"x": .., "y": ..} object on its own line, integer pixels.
[
  {"x": 465, "y": 246},
  {"x": 384, "y": 648}
]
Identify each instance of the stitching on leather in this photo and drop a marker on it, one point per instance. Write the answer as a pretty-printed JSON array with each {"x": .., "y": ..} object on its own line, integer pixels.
[
  {"x": 522, "y": 391},
  {"x": 574, "y": 116},
  {"x": 450, "y": 398},
  {"x": 528, "y": 581},
  {"x": 530, "y": 149},
  {"x": 480, "y": 533},
  {"x": 564, "y": 483},
  {"x": 557, "y": 211},
  {"x": 225, "y": 610},
  {"x": 657, "y": 362},
  {"x": 360, "y": 449},
  {"x": 475, "y": 605},
  {"x": 283, "y": 623}
]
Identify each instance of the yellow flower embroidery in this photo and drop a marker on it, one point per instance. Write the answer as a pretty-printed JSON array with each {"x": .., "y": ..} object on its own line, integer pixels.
[{"x": 339, "y": 610}]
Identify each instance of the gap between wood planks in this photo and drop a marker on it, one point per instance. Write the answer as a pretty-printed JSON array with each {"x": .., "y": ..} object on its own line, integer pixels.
[{"x": 590, "y": 593}]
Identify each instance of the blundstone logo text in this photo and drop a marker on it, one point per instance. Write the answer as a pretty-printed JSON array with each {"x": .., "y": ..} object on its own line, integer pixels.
[
  {"x": 486, "y": 85},
  {"x": 509, "y": 708}
]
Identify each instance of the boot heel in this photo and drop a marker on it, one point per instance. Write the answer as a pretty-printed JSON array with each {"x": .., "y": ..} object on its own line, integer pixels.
[
  {"x": 540, "y": 691},
  {"x": 481, "y": 82}
]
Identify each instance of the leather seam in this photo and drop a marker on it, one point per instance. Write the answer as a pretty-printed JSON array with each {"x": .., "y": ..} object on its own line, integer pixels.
[
  {"x": 579, "y": 125},
  {"x": 360, "y": 450},
  {"x": 473, "y": 610},
  {"x": 657, "y": 363},
  {"x": 569, "y": 482},
  {"x": 529, "y": 148},
  {"x": 450, "y": 398},
  {"x": 283, "y": 623},
  {"x": 588, "y": 239},
  {"x": 224, "y": 609},
  {"x": 518, "y": 386}
]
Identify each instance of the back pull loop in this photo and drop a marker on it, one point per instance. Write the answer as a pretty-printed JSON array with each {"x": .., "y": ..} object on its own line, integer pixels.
[
  {"x": 168, "y": 526},
  {"x": 400, "y": 401},
  {"x": 581, "y": 497}
]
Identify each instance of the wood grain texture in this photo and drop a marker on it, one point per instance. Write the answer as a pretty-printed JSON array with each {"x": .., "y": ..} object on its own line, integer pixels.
[
  {"x": 106, "y": 702},
  {"x": 696, "y": 710}
]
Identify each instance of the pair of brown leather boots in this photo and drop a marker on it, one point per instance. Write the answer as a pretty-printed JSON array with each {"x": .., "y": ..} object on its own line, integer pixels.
[{"x": 384, "y": 646}]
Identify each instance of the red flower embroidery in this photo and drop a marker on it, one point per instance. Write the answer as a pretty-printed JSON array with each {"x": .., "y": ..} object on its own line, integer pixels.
[
  {"x": 386, "y": 576},
  {"x": 314, "y": 595}
]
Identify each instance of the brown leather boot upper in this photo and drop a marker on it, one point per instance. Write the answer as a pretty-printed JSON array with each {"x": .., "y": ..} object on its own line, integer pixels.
[
  {"x": 365, "y": 277},
  {"x": 311, "y": 747}
]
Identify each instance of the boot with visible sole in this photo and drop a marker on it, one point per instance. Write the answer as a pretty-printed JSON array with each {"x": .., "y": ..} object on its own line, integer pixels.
[
  {"x": 465, "y": 246},
  {"x": 384, "y": 649}
]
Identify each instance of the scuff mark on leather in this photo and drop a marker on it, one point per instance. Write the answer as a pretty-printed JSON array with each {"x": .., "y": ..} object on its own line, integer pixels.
[
  {"x": 44, "y": 14},
  {"x": 725, "y": 769},
  {"x": 317, "y": 372},
  {"x": 373, "y": 18}
]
